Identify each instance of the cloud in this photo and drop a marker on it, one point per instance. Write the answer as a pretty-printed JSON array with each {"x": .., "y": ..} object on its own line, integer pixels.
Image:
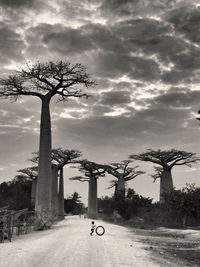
[
  {"x": 56, "y": 39},
  {"x": 16, "y": 3},
  {"x": 66, "y": 40},
  {"x": 178, "y": 97},
  {"x": 151, "y": 126},
  {"x": 186, "y": 20},
  {"x": 141, "y": 30},
  {"x": 155, "y": 39},
  {"x": 12, "y": 44},
  {"x": 103, "y": 38},
  {"x": 112, "y": 65},
  {"x": 135, "y": 7},
  {"x": 115, "y": 98},
  {"x": 76, "y": 13}
]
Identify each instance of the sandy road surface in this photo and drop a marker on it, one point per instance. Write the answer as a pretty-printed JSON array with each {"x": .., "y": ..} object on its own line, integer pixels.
[{"x": 69, "y": 244}]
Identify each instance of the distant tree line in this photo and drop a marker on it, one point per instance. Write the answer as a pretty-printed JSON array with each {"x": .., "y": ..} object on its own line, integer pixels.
[
  {"x": 180, "y": 209},
  {"x": 16, "y": 194},
  {"x": 73, "y": 205}
]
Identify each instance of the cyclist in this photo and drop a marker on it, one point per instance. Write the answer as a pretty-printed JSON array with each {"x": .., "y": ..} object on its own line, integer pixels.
[{"x": 92, "y": 228}]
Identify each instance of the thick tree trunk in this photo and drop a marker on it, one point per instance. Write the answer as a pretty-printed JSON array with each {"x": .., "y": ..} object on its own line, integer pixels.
[
  {"x": 166, "y": 184},
  {"x": 92, "y": 199},
  {"x": 121, "y": 186},
  {"x": 61, "y": 213},
  {"x": 33, "y": 192},
  {"x": 54, "y": 199},
  {"x": 43, "y": 190},
  {"x": 115, "y": 192}
]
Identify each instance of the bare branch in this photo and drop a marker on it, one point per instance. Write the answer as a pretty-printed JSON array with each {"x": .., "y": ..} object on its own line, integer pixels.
[
  {"x": 113, "y": 183},
  {"x": 41, "y": 79},
  {"x": 158, "y": 173},
  {"x": 167, "y": 158},
  {"x": 92, "y": 169},
  {"x": 122, "y": 169},
  {"x": 60, "y": 157}
]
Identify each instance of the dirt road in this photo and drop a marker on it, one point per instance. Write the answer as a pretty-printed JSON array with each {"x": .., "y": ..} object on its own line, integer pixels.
[{"x": 69, "y": 244}]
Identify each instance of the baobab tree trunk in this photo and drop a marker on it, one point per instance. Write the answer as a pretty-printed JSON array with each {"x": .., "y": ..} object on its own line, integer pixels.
[
  {"x": 43, "y": 190},
  {"x": 166, "y": 184},
  {"x": 54, "y": 198},
  {"x": 33, "y": 191},
  {"x": 61, "y": 196},
  {"x": 121, "y": 186},
  {"x": 115, "y": 192},
  {"x": 92, "y": 199}
]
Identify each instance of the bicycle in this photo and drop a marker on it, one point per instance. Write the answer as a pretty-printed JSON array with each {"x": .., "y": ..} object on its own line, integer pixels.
[{"x": 100, "y": 230}]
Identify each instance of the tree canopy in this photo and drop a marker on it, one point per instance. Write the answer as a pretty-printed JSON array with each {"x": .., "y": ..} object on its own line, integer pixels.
[
  {"x": 168, "y": 158},
  {"x": 49, "y": 78},
  {"x": 123, "y": 169},
  {"x": 90, "y": 170}
]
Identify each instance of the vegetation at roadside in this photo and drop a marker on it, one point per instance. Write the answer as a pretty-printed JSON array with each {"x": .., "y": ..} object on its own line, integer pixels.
[
  {"x": 181, "y": 208},
  {"x": 16, "y": 194},
  {"x": 73, "y": 205}
]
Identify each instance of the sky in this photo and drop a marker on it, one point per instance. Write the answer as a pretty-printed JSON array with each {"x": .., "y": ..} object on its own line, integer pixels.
[{"x": 145, "y": 58}]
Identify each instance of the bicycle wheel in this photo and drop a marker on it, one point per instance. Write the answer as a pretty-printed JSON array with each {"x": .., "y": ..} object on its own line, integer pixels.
[{"x": 100, "y": 230}]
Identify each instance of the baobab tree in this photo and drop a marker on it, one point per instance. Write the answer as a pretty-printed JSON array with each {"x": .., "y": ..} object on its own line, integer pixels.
[
  {"x": 113, "y": 183},
  {"x": 124, "y": 173},
  {"x": 157, "y": 174},
  {"x": 44, "y": 81},
  {"x": 59, "y": 158},
  {"x": 92, "y": 172},
  {"x": 166, "y": 159}
]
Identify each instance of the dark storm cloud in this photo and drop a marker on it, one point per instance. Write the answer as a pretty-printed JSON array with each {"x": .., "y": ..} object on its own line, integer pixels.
[
  {"x": 178, "y": 97},
  {"x": 144, "y": 69},
  {"x": 17, "y": 133},
  {"x": 186, "y": 20},
  {"x": 16, "y": 3},
  {"x": 153, "y": 37},
  {"x": 137, "y": 7},
  {"x": 141, "y": 30},
  {"x": 122, "y": 85},
  {"x": 115, "y": 98},
  {"x": 100, "y": 110},
  {"x": 66, "y": 40},
  {"x": 188, "y": 60},
  {"x": 165, "y": 117},
  {"x": 24, "y": 119},
  {"x": 109, "y": 64},
  {"x": 186, "y": 63},
  {"x": 175, "y": 76},
  {"x": 104, "y": 38},
  {"x": 57, "y": 38},
  {"x": 12, "y": 44},
  {"x": 153, "y": 127},
  {"x": 110, "y": 56},
  {"x": 78, "y": 11},
  {"x": 108, "y": 48}
]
